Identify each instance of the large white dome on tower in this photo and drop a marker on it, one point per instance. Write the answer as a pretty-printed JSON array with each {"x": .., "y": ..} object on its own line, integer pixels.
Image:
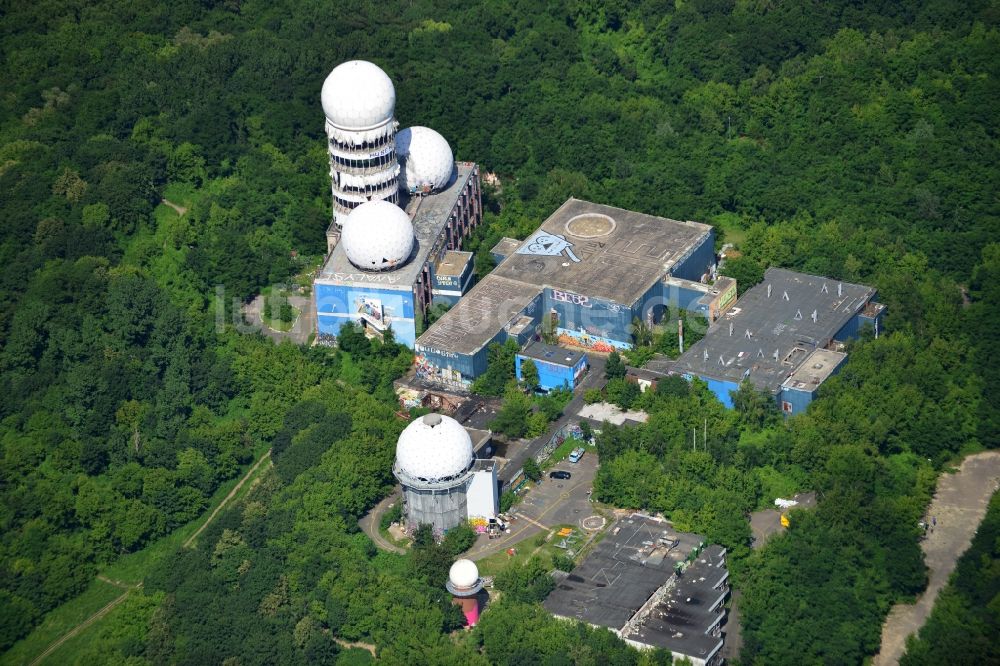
[
  {"x": 425, "y": 159},
  {"x": 434, "y": 448},
  {"x": 377, "y": 236},
  {"x": 358, "y": 95}
]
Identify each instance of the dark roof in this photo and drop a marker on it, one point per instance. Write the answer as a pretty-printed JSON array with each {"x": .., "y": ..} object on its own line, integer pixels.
[
  {"x": 552, "y": 354},
  {"x": 685, "y": 620},
  {"x": 774, "y": 318},
  {"x": 635, "y": 558}
]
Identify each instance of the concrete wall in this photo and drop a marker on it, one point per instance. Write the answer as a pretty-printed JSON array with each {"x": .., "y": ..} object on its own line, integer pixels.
[
  {"x": 483, "y": 499},
  {"x": 443, "y": 509}
]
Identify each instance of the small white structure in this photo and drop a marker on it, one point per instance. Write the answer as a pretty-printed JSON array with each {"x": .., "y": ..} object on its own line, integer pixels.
[
  {"x": 438, "y": 470},
  {"x": 464, "y": 584},
  {"x": 377, "y": 236},
  {"x": 425, "y": 159},
  {"x": 359, "y": 102}
]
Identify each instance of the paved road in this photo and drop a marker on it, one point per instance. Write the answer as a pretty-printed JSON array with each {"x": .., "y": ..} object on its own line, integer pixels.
[
  {"x": 552, "y": 502},
  {"x": 518, "y": 453},
  {"x": 369, "y": 523},
  {"x": 303, "y": 326},
  {"x": 959, "y": 505}
]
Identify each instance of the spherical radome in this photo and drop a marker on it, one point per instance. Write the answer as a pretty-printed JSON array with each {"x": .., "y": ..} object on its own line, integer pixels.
[
  {"x": 425, "y": 159},
  {"x": 463, "y": 574},
  {"x": 434, "y": 448},
  {"x": 358, "y": 95},
  {"x": 377, "y": 236}
]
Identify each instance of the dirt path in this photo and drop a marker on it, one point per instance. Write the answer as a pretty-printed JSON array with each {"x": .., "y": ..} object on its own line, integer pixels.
[
  {"x": 224, "y": 502},
  {"x": 347, "y": 644},
  {"x": 83, "y": 625},
  {"x": 958, "y": 507},
  {"x": 369, "y": 524},
  {"x": 180, "y": 209}
]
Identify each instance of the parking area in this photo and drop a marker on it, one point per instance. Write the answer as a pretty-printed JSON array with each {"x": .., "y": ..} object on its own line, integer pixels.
[{"x": 548, "y": 503}]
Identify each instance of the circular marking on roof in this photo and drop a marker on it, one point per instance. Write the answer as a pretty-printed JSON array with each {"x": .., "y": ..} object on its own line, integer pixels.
[{"x": 590, "y": 225}]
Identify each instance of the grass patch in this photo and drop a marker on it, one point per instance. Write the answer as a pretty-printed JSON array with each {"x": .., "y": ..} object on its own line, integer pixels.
[
  {"x": 732, "y": 227},
  {"x": 182, "y": 194},
  {"x": 60, "y": 620},
  {"x": 102, "y": 641},
  {"x": 530, "y": 547},
  {"x": 561, "y": 452}
]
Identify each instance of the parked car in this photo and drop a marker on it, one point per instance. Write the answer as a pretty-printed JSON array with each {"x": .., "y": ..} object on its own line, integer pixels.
[
  {"x": 576, "y": 454},
  {"x": 559, "y": 474}
]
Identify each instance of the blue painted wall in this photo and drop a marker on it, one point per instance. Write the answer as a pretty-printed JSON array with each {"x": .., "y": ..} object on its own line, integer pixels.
[
  {"x": 720, "y": 388},
  {"x": 336, "y": 304},
  {"x": 797, "y": 399},
  {"x": 852, "y": 329},
  {"x": 584, "y": 317},
  {"x": 699, "y": 261},
  {"x": 553, "y": 375}
]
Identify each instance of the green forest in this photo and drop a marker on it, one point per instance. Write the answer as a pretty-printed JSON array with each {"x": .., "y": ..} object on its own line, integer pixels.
[{"x": 853, "y": 140}]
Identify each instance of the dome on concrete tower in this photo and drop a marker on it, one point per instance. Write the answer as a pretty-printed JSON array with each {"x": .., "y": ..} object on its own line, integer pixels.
[
  {"x": 425, "y": 159},
  {"x": 377, "y": 236},
  {"x": 434, "y": 448},
  {"x": 358, "y": 95}
]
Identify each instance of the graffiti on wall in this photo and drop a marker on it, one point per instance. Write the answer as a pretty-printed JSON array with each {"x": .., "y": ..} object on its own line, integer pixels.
[
  {"x": 589, "y": 341},
  {"x": 430, "y": 372},
  {"x": 371, "y": 310}
]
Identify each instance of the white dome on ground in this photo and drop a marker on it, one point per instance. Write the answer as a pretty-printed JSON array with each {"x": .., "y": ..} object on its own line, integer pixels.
[
  {"x": 358, "y": 95},
  {"x": 425, "y": 159},
  {"x": 377, "y": 236},
  {"x": 463, "y": 574},
  {"x": 434, "y": 448}
]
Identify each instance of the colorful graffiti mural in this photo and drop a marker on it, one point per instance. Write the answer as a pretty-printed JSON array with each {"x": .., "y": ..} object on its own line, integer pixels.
[
  {"x": 588, "y": 341},
  {"x": 429, "y": 372}
]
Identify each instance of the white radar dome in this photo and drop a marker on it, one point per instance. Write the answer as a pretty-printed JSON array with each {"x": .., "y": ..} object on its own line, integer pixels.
[
  {"x": 463, "y": 574},
  {"x": 358, "y": 95},
  {"x": 377, "y": 236},
  {"x": 434, "y": 448},
  {"x": 425, "y": 159}
]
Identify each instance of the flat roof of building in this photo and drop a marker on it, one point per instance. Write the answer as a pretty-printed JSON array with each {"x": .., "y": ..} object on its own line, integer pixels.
[
  {"x": 552, "y": 354},
  {"x": 583, "y": 247},
  {"x": 771, "y": 330},
  {"x": 815, "y": 370},
  {"x": 429, "y": 215},
  {"x": 453, "y": 262},
  {"x": 635, "y": 558},
  {"x": 683, "y": 621},
  {"x": 476, "y": 318},
  {"x": 505, "y": 246},
  {"x": 612, "y": 253}
]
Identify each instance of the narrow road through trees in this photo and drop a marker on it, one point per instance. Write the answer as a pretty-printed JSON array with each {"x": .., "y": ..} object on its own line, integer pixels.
[{"x": 958, "y": 507}]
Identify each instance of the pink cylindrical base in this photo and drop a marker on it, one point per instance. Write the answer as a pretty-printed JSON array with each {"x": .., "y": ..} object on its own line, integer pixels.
[{"x": 470, "y": 608}]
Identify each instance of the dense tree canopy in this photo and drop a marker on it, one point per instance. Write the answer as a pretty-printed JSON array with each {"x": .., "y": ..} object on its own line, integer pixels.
[{"x": 853, "y": 140}]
